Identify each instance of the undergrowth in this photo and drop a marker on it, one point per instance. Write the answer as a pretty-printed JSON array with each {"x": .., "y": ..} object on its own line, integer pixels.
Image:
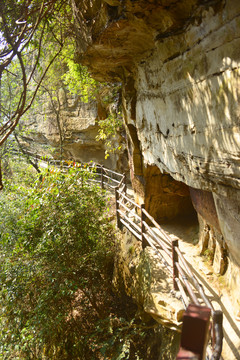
[{"x": 56, "y": 267}]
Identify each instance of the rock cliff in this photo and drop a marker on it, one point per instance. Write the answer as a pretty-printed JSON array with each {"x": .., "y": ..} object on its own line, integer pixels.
[
  {"x": 179, "y": 65},
  {"x": 68, "y": 127}
]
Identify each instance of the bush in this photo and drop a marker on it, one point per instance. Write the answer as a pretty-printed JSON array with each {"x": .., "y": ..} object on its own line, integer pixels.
[
  {"x": 56, "y": 256},
  {"x": 56, "y": 267}
]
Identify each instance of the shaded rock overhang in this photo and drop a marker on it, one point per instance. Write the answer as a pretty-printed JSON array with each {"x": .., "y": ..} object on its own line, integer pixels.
[
  {"x": 118, "y": 34},
  {"x": 179, "y": 62}
]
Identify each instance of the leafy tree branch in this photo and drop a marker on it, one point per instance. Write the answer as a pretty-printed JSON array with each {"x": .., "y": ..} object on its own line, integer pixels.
[{"x": 24, "y": 33}]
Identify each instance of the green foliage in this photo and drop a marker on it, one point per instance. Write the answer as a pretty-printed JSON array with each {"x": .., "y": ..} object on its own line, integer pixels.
[
  {"x": 108, "y": 130},
  {"x": 117, "y": 337},
  {"x": 209, "y": 255},
  {"x": 56, "y": 265},
  {"x": 77, "y": 78},
  {"x": 52, "y": 245},
  {"x": 112, "y": 125}
]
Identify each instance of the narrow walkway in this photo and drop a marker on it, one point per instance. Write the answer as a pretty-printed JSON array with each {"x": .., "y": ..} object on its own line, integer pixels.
[
  {"x": 187, "y": 234},
  {"x": 127, "y": 212}
]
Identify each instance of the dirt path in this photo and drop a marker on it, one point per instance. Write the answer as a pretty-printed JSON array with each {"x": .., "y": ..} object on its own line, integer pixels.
[{"x": 187, "y": 233}]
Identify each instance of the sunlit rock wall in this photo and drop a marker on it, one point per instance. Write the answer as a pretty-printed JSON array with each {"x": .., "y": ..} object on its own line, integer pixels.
[
  {"x": 179, "y": 62},
  {"x": 77, "y": 123},
  {"x": 188, "y": 118},
  {"x": 187, "y": 112}
]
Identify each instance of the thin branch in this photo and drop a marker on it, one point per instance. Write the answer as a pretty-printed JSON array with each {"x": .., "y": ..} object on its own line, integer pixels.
[
  {"x": 35, "y": 165},
  {"x": 1, "y": 184},
  {"x": 41, "y": 80},
  {"x": 19, "y": 113},
  {"x": 11, "y": 124},
  {"x": 38, "y": 55},
  {"x": 21, "y": 104}
]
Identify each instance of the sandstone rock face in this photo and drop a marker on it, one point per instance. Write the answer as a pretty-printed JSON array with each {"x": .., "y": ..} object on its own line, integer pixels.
[
  {"x": 187, "y": 111},
  {"x": 76, "y": 121},
  {"x": 228, "y": 214},
  {"x": 148, "y": 282},
  {"x": 187, "y": 105},
  {"x": 180, "y": 66},
  {"x": 164, "y": 197},
  {"x": 155, "y": 288}
]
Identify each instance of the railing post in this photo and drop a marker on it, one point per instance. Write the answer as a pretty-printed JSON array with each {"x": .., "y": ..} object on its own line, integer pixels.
[
  {"x": 125, "y": 183},
  {"x": 217, "y": 334},
  {"x": 119, "y": 225},
  {"x": 143, "y": 230},
  {"x": 102, "y": 182},
  {"x": 195, "y": 331},
  {"x": 175, "y": 260}
]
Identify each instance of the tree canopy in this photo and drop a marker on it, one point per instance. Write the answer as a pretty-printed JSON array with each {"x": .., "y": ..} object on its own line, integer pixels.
[
  {"x": 37, "y": 56},
  {"x": 32, "y": 34}
]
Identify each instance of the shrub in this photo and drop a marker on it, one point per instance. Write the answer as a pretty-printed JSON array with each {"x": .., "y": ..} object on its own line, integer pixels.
[
  {"x": 56, "y": 255},
  {"x": 56, "y": 267}
]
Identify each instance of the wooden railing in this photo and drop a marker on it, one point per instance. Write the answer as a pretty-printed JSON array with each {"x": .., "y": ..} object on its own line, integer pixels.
[{"x": 144, "y": 227}]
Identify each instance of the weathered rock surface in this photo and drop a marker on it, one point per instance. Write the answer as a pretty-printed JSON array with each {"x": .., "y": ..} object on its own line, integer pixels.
[
  {"x": 148, "y": 282},
  {"x": 164, "y": 197},
  {"x": 155, "y": 284},
  {"x": 69, "y": 127},
  {"x": 180, "y": 67}
]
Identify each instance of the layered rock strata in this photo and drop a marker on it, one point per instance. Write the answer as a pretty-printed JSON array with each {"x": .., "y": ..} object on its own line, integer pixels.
[
  {"x": 68, "y": 130},
  {"x": 148, "y": 282},
  {"x": 179, "y": 63}
]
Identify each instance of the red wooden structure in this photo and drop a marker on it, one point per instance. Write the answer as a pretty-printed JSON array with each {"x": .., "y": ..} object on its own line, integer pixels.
[{"x": 195, "y": 332}]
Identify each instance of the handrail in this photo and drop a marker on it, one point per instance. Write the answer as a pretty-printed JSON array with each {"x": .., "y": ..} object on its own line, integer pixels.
[
  {"x": 108, "y": 177},
  {"x": 165, "y": 258},
  {"x": 125, "y": 197},
  {"x": 156, "y": 238},
  {"x": 157, "y": 226},
  {"x": 184, "y": 280}
]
